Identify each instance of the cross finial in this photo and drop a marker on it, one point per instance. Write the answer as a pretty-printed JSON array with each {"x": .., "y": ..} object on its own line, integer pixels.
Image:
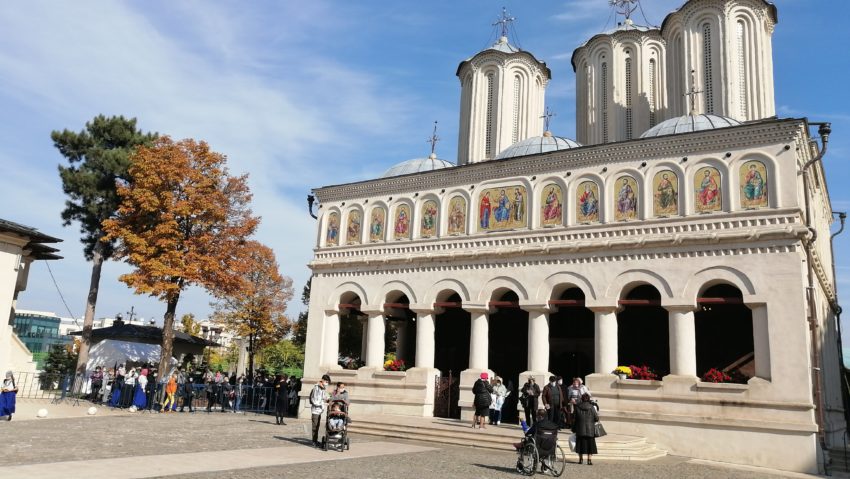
[
  {"x": 546, "y": 118},
  {"x": 692, "y": 94},
  {"x": 433, "y": 139},
  {"x": 624, "y": 7},
  {"x": 504, "y": 21}
]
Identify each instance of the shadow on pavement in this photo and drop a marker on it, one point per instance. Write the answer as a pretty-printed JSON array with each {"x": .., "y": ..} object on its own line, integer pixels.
[{"x": 496, "y": 468}]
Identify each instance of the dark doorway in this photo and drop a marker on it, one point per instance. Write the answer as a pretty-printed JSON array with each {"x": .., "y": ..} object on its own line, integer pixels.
[
  {"x": 571, "y": 330},
  {"x": 400, "y": 332},
  {"x": 724, "y": 332},
  {"x": 451, "y": 339},
  {"x": 643, "y": 331},
  {"x": 508, "y": 348},
  {"x": 351, "y": 334}
]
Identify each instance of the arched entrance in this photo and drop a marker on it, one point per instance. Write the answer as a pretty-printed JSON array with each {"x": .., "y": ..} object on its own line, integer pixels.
[
  {"x": 400, "y": 332},
  {"x": 724, "y": 333},
  {"x": 571, "y": 330},
  {"x": 508, "y": 347},
  {"x": 451, "y": 352},
  {"x": 352, "y": 337},
  {"x": 643, "y": 330}
]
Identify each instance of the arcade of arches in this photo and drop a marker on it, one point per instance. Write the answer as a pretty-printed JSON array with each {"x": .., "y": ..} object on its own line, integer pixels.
[{"x": 563, "y": 337}]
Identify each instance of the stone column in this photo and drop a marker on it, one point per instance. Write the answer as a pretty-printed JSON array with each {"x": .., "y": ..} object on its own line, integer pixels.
[
  {"x": 401, "y": 339},
  {"x": 538, "y": 337},
  {"x": 682, "y": 340},
  {"x": 364, "y": 336},
  {"x": 605, "y": 340},
  {"x": 424, "y": 338},
  {"x": 330, "y": 351},
  {"x": 479, "y": 338},
  {"x": 375, "y": 342},
  {"x": 761, "y": 340}
]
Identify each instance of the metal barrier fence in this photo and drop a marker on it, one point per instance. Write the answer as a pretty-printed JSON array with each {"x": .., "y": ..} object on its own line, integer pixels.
[{"x": 215, "y": 397}]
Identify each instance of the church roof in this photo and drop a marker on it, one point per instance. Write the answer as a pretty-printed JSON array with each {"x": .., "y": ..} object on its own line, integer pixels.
[
  {"x": 38, "y": 250},
  {"x": 417, "y": 165},
  {"x": 536, "y": 145},
  {"x": 688, "y": 124},
  {"x": 504, "y": 47}
]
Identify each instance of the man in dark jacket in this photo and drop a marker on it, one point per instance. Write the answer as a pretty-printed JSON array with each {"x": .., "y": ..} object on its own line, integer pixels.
[
  {"x": 481, "y": 392},
  {"x": 188, "y": 391},
  {"x": 553, "y": 399},
  {"x": 529, "y": 396}
]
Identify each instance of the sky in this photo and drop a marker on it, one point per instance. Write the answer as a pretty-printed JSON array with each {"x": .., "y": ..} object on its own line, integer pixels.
[{"x": 306, "y": 94}]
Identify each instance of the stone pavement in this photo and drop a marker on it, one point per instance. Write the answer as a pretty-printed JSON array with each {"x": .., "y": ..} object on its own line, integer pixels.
[{"x": 248, "y": 446}]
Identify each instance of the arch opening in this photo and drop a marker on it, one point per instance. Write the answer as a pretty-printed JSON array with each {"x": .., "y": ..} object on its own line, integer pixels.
[
  {"x": 451, "y": 348},
  {"x": 352, "y": 332},
  {"x": 724, "y": 333},
  {"x": 571, "y": 335},
  {"x": 400, "y": 330},
  {"x": 643, "y": 330},
  {"x": 508, "y": 346}
]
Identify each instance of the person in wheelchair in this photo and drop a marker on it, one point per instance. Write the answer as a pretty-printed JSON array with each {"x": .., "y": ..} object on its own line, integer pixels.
[{"x": 544, "y": 435}]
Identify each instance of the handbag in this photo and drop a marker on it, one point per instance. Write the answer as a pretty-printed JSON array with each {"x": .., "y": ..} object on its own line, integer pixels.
[{"x": 598, "y": 430}]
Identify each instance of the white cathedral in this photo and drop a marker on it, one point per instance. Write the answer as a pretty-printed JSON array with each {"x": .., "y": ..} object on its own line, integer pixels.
[{"x": 686, "y": 229}]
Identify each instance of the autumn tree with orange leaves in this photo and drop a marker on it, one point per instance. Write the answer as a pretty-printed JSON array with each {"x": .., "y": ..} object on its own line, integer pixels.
[
  {"x": 257, "y": 311},
  {"x": 182, "y": 221}
]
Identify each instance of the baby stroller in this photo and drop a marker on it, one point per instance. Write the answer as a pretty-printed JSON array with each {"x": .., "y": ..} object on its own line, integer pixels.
[
  {"x": 541, "y": 451},
  {"x": 336, "y": 427}
]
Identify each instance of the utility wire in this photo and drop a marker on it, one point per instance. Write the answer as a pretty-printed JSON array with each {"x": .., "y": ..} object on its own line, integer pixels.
[{"x": 60, "y": 294}]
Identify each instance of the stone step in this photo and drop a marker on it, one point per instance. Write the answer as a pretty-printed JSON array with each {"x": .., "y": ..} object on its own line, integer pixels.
[{"x": 611, "y": 447}]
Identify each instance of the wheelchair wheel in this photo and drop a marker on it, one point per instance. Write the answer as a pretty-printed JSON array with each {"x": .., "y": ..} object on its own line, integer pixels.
[
  {"x": 557, "y": 462},
  {"x": 527, "y": 459}
]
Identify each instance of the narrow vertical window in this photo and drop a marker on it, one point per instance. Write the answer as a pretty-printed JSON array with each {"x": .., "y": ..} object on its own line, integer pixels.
[
  {"x": 706, "y": 66},
  {"x": 628, "y": 98},
  {"x": 742, "y": 71},
  {"x": 515, "y": 128},
  {"x": 488, "y": 135},
  {"x": 604, "y": 101},
  {"x": 652, "y": 95}
]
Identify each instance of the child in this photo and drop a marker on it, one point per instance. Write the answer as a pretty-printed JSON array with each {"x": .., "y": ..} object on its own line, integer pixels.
[
  {"x": 336, "y": 420},
  {"x": 170, "y": 390}
]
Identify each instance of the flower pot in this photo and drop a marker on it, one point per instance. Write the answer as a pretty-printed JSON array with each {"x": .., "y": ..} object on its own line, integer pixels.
[{"x": 622, "y": 375}]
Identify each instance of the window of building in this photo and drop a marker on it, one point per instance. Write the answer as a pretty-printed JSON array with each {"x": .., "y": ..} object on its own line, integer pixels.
[
  {"x": 488, "y": 136},
  {"x": 742, "y": 70},
  {"x": 604, "y": 101},
  {"x": 707, "y": 73}
]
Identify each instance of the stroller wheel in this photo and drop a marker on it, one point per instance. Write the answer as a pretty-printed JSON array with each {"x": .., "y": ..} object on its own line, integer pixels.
[{"x": 347, "y": 444}]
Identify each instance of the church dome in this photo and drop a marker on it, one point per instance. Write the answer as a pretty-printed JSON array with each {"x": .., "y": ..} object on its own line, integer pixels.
[
  {"x": 689, "y": 124},
  {"x": 417, "y": 165},
  {"x": 537, "y": 144}
]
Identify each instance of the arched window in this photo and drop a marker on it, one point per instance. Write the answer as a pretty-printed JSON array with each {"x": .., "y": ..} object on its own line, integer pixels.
[
  {"x": 517, "y": 109},
  {"x": 643, "y": 330},
  {"x": 741, "y": 33},
  {"x": 707, "y": 69},
  {"x": 603, "y": 84},
  {"x": 628, "y": 68},
  {"x": 652, "y": 94},
  {"x": 722, "y": 318},
  {"x": 488, "y": 134}
]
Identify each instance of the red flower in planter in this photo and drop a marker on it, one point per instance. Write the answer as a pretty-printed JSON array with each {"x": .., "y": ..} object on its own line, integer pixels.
[
  {"x": 395, "y": 365},
  {"x": 642, "y": 372},
  {"x": 715, "y": 375}
]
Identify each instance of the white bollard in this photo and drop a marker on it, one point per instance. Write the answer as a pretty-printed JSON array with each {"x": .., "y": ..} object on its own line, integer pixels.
[
  {"x": 92, "y": 411},
  {"x": 42, "y": 413}
]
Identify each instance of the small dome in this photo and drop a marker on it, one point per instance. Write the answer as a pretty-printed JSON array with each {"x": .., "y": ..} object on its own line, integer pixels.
[
  {"x": 688, "y": 124},
  {"x": 537, "y": 144},
  {"x": 417, "y": 165}
]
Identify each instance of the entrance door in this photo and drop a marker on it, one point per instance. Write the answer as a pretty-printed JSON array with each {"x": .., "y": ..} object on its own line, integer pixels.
[
  {"x": 571, "y": 330},
  {"x": 508, "y": 349}
]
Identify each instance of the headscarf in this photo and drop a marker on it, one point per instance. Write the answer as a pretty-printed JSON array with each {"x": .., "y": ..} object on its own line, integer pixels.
[{"x": 144, "y": 372}]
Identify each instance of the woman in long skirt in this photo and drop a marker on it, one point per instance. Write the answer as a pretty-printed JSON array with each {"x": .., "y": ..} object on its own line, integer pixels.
[
  {"x": 8, "y": 392},
  {"x": 140, "y": 397},
  {"x": 586, "y": 418}
]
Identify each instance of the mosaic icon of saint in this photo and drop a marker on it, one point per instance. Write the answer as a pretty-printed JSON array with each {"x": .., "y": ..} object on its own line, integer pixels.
[
  {"x": 754, "y": 187},
  {"x": 457, "y": 215},
  {"x": 519, "y": 208},
  {"x": 333, "y": 230},
  {"x": 552, "y": 208},
  {"x": 402, "y": 223},
  {"x": 502, "y": 212},
  {"x": 484, "y": 211},
  {"x": 666, "y": 198},
  {"x": 353, "y": 236},
  {"x": 708, "y": 191},
  {"x": 376, "y": 228},
  {"x": 429, "y": 219},
  {"x": 626, "y": 201},
  {"x": 588, "y": 203}
]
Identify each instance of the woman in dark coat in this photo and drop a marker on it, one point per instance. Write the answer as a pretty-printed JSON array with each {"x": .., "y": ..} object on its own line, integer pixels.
[
  {"x": 281, "y": 399},
  {"x": 481, "y": 391},
  {"x": 585, "y": 420}
]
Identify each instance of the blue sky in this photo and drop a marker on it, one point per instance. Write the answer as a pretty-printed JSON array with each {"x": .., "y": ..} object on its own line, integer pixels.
[{"x": 306, "y": 94}]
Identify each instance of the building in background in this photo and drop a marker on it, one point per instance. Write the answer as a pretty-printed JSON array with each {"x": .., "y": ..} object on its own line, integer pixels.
[{"x": 40, "y": 331}]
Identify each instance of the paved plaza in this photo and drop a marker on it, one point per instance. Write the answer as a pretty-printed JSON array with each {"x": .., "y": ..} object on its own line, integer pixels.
[{"x": 226, "y": 445}]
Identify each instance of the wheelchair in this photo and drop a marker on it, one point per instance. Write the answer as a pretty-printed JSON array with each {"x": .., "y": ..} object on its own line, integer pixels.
[{"x": 542, "y": 452}]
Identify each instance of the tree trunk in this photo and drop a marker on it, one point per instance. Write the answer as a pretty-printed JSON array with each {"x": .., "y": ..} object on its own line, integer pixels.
[
  {"x": 168, "y": 336},
  {"x": 251, "y": 355},
  {"x": 91, "y": 302}
]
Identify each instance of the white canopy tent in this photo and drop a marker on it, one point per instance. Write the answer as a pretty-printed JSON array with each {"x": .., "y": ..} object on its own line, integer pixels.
[{"x": 108, "y": 352}]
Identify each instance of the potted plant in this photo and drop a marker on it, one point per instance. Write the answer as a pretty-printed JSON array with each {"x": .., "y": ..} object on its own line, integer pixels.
[
  {"x": 715, "y": 375},
  {"x": 394, "y": 365},
  {"x": 642, "y": 372},
  {"x": 622, "y": 371}
]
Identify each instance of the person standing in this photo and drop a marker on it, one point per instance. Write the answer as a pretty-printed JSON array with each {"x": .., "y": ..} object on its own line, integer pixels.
[
  {"x": 553, "y": 400},
  {"x": 586, "y": 418},
  {"x": 318, "y": 403},
  {"x": 140, "y": 398},
  {"x": 188, "y": 393},
  {"x": 170, "y": 391},
  {"x": 531, "y": 392},
  {"x": 239, "y": 390},
  {"x": 281, "y": 399},
  {"x": 481, "y": 392},
  {"x": 500, "y": 393},
  {"x": 96, "y": 384},
  {"x": 8, "y": 395}
]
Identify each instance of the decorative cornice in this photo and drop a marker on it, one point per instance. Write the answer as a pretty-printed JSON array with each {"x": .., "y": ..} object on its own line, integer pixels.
[{"x": 645, "y": 149}]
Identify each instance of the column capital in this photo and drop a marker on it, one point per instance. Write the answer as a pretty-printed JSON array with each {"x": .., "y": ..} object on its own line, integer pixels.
[
  {"x": 372, "y": 310},
  {"x": 331, "y": 309},
  {"x": 604, "y": 309},
  {"x": 535, "y": 307},
  {"x": 476, "y": 308},
  {"x": 680, "y": 308},
  {"x": 422, "y": 308}
]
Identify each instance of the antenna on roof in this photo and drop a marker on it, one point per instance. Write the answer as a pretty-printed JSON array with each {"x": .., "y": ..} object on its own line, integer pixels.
[
  {"x": 504, "y": 21},
  {"x": 546, "y": 118},
  {"x": 433, "y": 139},
  {"x": 692, "y": 93}
]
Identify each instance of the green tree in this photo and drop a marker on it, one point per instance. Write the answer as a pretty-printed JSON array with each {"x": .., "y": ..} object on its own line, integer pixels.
[
  {"x": 190, "y": 326},
  {"x": 99, "y": 159},
  {"x": 283, "y": 356},
  {"x": 299, "y": 329},
  {"x": 61, "y": 360}
]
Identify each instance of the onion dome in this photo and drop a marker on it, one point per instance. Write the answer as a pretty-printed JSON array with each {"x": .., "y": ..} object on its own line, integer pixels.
[
  {"x": 417, "y": 165},
  {"x": 689, "y": 124},
  {"x": 536, "y": 145}
]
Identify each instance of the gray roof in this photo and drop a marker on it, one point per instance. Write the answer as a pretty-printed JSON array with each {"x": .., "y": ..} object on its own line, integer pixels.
[
  {"x": 38, "y": 250},
  {"x": 417, "y": 165},
  {"x": 688, "y": 124},
  {"x": 536, "y": 145}
]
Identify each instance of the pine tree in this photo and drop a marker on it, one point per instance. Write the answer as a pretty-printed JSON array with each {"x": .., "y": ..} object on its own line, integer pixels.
[
  {"x": 299, "y": 329},
  {"x": 99, "y": 158}
]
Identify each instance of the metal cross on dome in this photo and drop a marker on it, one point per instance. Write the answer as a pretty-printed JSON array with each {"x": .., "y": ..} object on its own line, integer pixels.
[
  {"x": 546, "y": 118},
  {"x": 692, "y": 93},
  {"x": 434, "y": 139},
  {"x": 624, "y": 7},
  {"x": 504, "y": 21}
]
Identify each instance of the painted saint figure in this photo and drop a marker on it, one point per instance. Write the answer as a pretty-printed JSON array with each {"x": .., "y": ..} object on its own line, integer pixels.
[
  {"x": 429, "y": 219},
  {"x": 484, "y": 211},
  {"x": 518, "y": 205},
  {"x": 708, "y": 192},
  {"x": 333, "y": 230},
  {"x": 502, "y": 212},
  {"x": 754, "y": 184},
  {"x": 626, "y": 201},
  {"x": 552, "y": 209},
  {"x": 588, "y": 203},
  {"x": 353, "y": 236},
  {"x": 457, "y": 215},
  {"x": 402, "y": 223},
  {"x": 376, "y": 228},
  {"x": 666, "y": 199}
]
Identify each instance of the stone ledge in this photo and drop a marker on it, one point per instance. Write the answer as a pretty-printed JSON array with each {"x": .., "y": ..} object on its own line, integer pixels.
[
  {"x": 728, "y": 387},
  {"x": 390, "y": 374},
  {"x": 724, "y": 423},
  {"x": 639, "y": 383}
]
